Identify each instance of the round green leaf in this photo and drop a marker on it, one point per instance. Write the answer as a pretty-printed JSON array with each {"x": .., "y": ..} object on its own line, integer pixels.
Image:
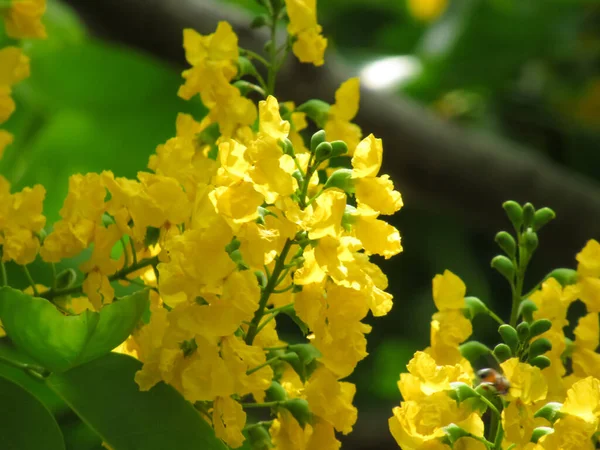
[
  {"x": 25, "y": 423},
  {"x": 60, "y": 342},
  {"x": 104, "y": 394}
]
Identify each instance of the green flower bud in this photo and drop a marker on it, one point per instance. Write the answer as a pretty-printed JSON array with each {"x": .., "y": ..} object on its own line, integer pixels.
[
  {"x": 526, "y": 309},
  {"x": 528, "y": 214},
  {"x": 542, "y": 217},
  {"x": 514, "y": 213},
  {"x": 540, "y": 432},
  {"x": 509, "y": 336},
  {"x": 530, "y": 240},
  {"x": 317, "y": 139},
  {"x": 539, "y": 326},
  {"x": 287, "y": 147},
  {"x": 261, "y": 278},
  {"x": 505, "y": 266},
  {"x": 299, "y": 409},
  {"x": 539, "y": 347},
  {"x": 275, "y": 393},
  {"x": 66, "y": 279},
  {"x": 339, "y": 148},
  {"x": 323, "y": 151},
  {"x": 565, "y": 277},
  {"x": 475, "y": 307},
  {"x": 523, "y": 331},
  {"x": 298, "y": 176},
  {"x": 341, "y": 179},
  {"x": 540, "y": 361},
  {"x": 474, "y": 351},
  {"x": 550, "y": 412},
  {"x": 307, "y": 352},
  {"x": 259, "y": 438},
  {"x": 502, "y": 352},
  {"x": 461, "y": 391},
  {"x": 507, "y": 243},
  {"x": 454, "y": 432},
  {"x": 316, "y": 110}
]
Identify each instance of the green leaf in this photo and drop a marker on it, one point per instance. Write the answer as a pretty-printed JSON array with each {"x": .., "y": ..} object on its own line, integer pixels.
[
  {"x": 104, "y": 394},
  {"x": 61, "y": 342},
  {"x": 32, "y": 385},
  {"x": 25, "y": 423}
]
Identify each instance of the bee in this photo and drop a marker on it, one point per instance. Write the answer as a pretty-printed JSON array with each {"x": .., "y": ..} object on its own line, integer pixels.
[{"x": 495, "y": 379}]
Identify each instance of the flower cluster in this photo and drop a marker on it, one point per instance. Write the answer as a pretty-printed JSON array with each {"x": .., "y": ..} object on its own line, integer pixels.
[
  {"x": 241, "y": 219},
  {"x": 544, "y": 392}
]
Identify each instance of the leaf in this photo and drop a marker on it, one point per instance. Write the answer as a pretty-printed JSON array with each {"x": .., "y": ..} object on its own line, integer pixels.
[
  {"x": 61, "y": 342},
  {"x": 25, "y": 423},
  {"x": 104, "y": 394},
  {"x": 32, "y": 385}
]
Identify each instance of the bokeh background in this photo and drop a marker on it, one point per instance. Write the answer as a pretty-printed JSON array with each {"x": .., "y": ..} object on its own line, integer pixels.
[{"x": 477, "y": 101}]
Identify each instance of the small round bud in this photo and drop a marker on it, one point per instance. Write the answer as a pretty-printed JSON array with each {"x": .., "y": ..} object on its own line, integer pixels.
[
  {"x": 565, "y": 277},
  {"x": 475, "y": 307},
  {"x": 530, "y": 240},
  {"x": 275, "y": 393},
  {"x": 299, "y": 409},
  {"x": 504, "y": 265},
  {"x": 523, "y": 331},
  {"x": 338, "y": 148},
  {"x": 542, "y": 217},
  {"x": 509, "y": 336},
  {"x": 341, "y": 179},
  {"x": 323, "y": 151},
  {"x": 507, "y": 243},
  {"x": 502, "y": 352},
  {"x": 539, "y": 326},
  {"x": 540, "y": 361},
  {"x": 286, "y": 146},
  {"x": 526, "y": 309},
  {"x": 316, "y": 139},
  {"x": 528, "y": 214},
  {"x": 539, "y": 347},
  {"x": 514, "y": 213}
]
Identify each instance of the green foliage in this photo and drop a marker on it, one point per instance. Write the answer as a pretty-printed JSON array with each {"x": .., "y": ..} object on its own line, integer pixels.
[
  {"x": 105, "y": 396},
  {"x": 25, "y": 423},
  {"x": 60, "y": 342}
]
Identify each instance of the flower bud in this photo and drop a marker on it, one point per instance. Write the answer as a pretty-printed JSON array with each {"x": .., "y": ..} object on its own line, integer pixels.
[
  {"x": 259, "y": 438},
  {"x": 540, "y": 432},
  {"x": 523, "y": 331},
  {"x": 287, "y": 147},
  {"x": 461, "y": 391},
  {"x": 473, "y": 351},
  {"x": 550, "y": 412},
  {"x": 565, "y": 277},
  {"x": 338, "y": 148},
  {"x": 475, "y": 307},
  {"x": 539, "y": 347},
  {"x": 526, "y": 309},
  {"x": 530, "y": 240},
  {"x": 454, "y": 433},
  {"x": 299, "y": 409},
  {"x": 514, "y": 213},
  {"x": 318, "y": 111},
  {"x": 275, "y": 393},
  {"x": 509, "y": 336},
  {"x": 341, "y": 179},
  {"x": 316, "y": 139},
  {"x": 539, "y": 326},
  {"x": 504, "y": 265},
  {"x": 540, "y": 361},
  {"x": 502, "y": 352},
  {"x": 542, "y": 217},
  {"x": 528, "y": 214},
  {"x": 323, "y": 151},
  {"x": 259, "y": 21},
  {"x": 507, "y": 243}
]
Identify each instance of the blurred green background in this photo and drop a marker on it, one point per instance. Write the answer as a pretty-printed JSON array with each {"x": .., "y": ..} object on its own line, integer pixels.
[{"x": 523, "y": 70}]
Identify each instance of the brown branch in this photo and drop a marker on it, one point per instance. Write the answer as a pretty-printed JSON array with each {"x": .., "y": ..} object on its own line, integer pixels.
[{"x": 436, "y": 165}]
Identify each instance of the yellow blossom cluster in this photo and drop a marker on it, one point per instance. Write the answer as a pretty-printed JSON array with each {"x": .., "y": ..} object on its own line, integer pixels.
[
  {"x": 22, "y": 19},
  {"x": 309, "y": 45},
  {"x": 555, "y": 406},
  {"x": 240, "y": 218}
]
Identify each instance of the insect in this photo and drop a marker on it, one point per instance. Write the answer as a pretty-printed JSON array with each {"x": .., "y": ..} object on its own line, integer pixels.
[{"x": 495, "y": 379}]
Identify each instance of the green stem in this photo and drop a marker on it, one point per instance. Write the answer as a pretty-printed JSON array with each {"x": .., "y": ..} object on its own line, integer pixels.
[
  {"x": 30, "y": 280},
  {"x": 37, "y": 371},
  {"x": 273, "y": 68},
  {"x": 264, "y": 324},
  {"x": 493, "y": 315},
  {"x": 268, "y": 362},
  {"x": 517, "y": 288},
  {"x": 280, "y": 308},
  {"x": 262, "y": 423},
  {"x": 125, "y": 254},
  {"x": 267, "y": 291},
  {"x": 119, "y": 275},
  {"x": 310, "y": 170},
  {"x": 133, "y": 252},
  {"x": 256, "y": 56}
]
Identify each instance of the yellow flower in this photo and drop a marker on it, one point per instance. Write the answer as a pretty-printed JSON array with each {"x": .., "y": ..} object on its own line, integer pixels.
[
  {"x": 23, "y": 19},
  {"x": 331, "y": 400},
  {"x": 518, "y": 422},
  {"x": 237, "y": 203},
  {"x": 338, "y": 125},
  {"x": 570, "y": 433},
  {"x": 287, "y": 434},
  {"x": 427, "y": 10},
  {"x": 586, "y": 361},
  {"x": 377, "y": 237},
  {"x": 325, "y": 217},
  {"x": 448, "y": 291},
  {"x": 82, "y": 210},
  {"x": 526, "y": 382},
  {"x": 229, "y": 419},
  {"x": 222, "y": 315},
  {"x": 552, "y": 303},
  {"x": 583, "y": 400},
  {"x": 589, "y": 259},
  {"x": 14, "y": 65},
  {"x": 309, "y": 45}
]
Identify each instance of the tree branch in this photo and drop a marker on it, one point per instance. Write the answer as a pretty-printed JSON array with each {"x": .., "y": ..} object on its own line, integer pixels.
[{"x": 436, "y": 165}]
